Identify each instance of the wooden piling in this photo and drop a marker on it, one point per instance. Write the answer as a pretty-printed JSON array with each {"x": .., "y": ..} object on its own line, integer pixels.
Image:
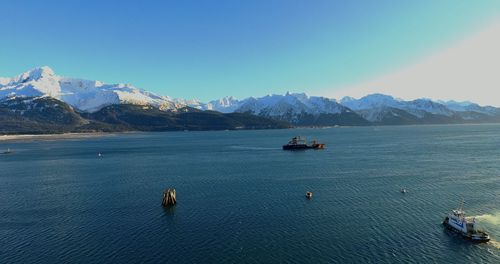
[{"x": 169, "y": 197}]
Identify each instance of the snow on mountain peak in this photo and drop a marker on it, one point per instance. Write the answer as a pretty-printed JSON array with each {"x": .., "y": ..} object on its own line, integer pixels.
[
  {"x": 376, "y": 105},
  {"x": 31, "y": 75},
  {"x": 91, "y": 95},
  {"x": 467, "y": 106},
  {"x": 290, "y": 106},
  {"x": 226, "y": 104},
  {"x": 85, "y": 95},
  {"x": 370, "y": 101},
  {"x": 227, "y": 101},
  {"x": 34, "y": 74},
  {"x": 347, "y": 99},
  {"x": 40, "y": 72}
]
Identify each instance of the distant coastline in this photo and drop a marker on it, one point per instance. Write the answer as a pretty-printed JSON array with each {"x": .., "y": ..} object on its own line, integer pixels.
[
  {"x": 81, "y": 135},
  {"x": 26, "y": 137}
]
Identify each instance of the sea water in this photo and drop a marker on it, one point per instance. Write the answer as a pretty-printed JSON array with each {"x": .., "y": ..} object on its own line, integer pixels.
[{"x": 241, "y": 198}]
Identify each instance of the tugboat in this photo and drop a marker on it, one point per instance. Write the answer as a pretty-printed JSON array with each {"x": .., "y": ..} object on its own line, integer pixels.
[
  {"x": 297, "y": 143},
  {"x": 466, "y": 227}
]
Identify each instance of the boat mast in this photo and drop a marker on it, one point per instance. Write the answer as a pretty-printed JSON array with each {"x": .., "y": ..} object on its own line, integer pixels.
[{"x": 461, "y": 207}]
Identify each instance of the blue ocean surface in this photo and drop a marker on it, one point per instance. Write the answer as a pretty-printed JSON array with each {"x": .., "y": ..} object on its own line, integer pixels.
[{"x": 241, "y": 198}]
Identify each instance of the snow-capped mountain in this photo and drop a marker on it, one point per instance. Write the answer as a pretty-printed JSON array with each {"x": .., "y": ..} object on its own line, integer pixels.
[
  {"x": 371, "y": 101},
  {"x": 189, "y": 102},
  {"x": 296, "y": 108},
  {"x": 301, "y": 109},
  {"x": 469, "y": 106},
  {"x": 375, "y": 107},
  {"x": 226, "y": 104},
  {"x": 291, "y": 103},
  {"x": 379, "y": 107},
  {"x": 38, "y": 115},
  {"x": 84, "y": 95}
]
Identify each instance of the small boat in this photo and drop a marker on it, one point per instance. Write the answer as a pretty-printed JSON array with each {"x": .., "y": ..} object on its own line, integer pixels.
[
  {"x": 403, "y": 190},
  {"x": 466, "y": 227},
  {"x": 99, "y": 154},
  {"x": 309, "y": 195},
  {"x": 8, "y": 151},
  {"x": 297, "y": 143}
]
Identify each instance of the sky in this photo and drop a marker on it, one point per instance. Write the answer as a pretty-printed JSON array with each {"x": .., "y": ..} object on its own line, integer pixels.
[
  {"x": 441, "y": 49},
  {"x": 466, "y": 71}
]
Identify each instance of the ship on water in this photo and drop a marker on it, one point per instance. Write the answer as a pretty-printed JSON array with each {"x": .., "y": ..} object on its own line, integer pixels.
[
  {"x": 465, "y": 226},
  {"x": 297, "y": 143},
  {"x": 8, "y": 151}
]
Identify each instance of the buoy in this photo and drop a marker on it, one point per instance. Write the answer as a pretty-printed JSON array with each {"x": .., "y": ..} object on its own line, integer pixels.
[{"x": 169, "y": 197}]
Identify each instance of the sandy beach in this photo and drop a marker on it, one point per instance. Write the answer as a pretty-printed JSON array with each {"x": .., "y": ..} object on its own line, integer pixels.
[{"x": 4, "y": 138}]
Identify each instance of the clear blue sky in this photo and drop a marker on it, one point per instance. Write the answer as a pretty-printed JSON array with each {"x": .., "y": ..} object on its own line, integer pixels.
[{"x": 209, "y": 49}]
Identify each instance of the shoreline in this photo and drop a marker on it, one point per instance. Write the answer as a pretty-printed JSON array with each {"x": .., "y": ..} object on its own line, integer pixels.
[
  {"x": 79, "y": 135},
  {"x": 26, "y": 137}
]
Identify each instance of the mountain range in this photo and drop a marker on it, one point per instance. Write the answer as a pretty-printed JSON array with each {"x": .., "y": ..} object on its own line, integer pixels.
[{"x": 39, "y": 101}]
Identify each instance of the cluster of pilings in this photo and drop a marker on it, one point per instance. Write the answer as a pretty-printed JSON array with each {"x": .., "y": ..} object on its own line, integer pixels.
[{"x": 169, "y": 197}]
